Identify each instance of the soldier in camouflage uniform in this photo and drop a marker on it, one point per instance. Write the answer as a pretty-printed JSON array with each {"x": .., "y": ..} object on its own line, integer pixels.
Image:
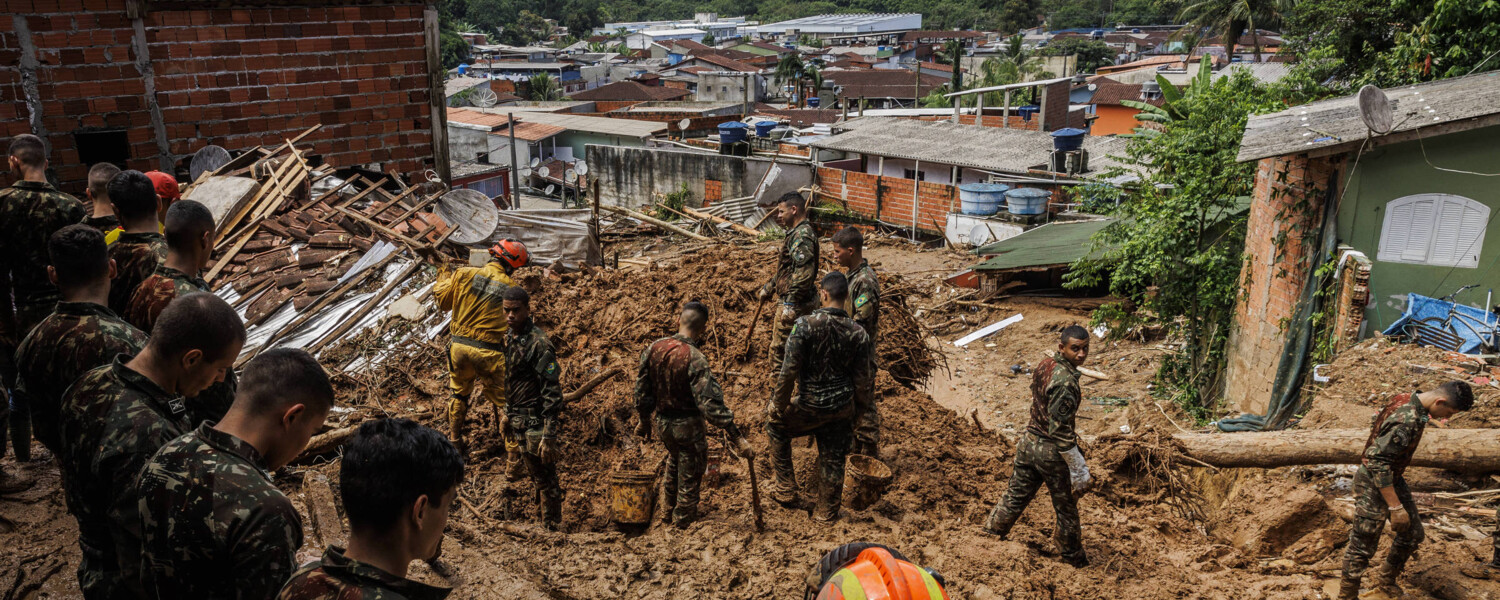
[
  {"x": 101, "y": 210},
  {"x": 1380, "y": 484},
  {"x": 117, "y": 416},
  {"x": 675, "y": 383},
  {"x": 213, "y": 524},
  {"x": 141, "y": 247},
  {"x": 534, "y": 399},
  {"x": 864, "y": 307},
  {"x": 1048, "y": 452},
  {"x": 190, "y": 238},
  {"x": 397, "y": 482},
  {"x": 1491, "y": 569},
  {"x": 80, "y": 335},
  {"x": 31, "y": 210},
  {"x": 798, "y": 262},
  {"x": 827, "y": 360}
]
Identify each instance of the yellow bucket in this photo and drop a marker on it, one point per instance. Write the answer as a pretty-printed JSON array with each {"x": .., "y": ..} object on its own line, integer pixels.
[{"x": 632, "y": 496}]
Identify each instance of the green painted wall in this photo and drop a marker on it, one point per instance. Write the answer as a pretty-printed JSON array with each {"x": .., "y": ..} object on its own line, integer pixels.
[
  {"x": 578, "y": 139},
  {"x": 1392, "y": 172}
]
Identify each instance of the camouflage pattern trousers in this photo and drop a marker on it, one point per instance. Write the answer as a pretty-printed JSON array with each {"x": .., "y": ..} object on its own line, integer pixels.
[
  {"x": 834, "y": 433},
  {"x": 686, "y": 440},
  {"x": 1370, "y": 513},
  {"x": 543, "y": 475},
  {"x": 1038, "y": 462},
  {"x": 786, "y": 316},
  {"x": 15, "y": 413},
  {"x": 867, "y": 422}
]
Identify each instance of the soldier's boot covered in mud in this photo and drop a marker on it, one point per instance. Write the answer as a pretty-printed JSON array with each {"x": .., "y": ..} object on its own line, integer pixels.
[
  {"x": 515, "y": 466},
  {"x": 999, "y": 522},
  {"x": 552, "y": 510},
  {"x": 458, "y": 424},
  {"x": 1385, "y": 579},
  {"x": 785, "y": 491},
  {"x": 14, "y": 484},
  {"x": 1348, "y": 589},
  {"x": 1078, "y": 559}
]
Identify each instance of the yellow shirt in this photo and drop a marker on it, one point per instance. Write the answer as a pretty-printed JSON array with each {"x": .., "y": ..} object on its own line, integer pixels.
[
  {"x": 474, "y": 296},
  {"x": 114, "y": 234}
]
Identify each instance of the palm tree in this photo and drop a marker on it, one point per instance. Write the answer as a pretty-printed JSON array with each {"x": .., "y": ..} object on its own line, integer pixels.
[
  {"x": 1231, "y": 18},
  {"x": 813, "y": 75},
  {"x": 598, "y": 47},
  {"x": 790, "y": 68},
  {"x": 543, "y": 87},
  {"x": 953, "y": 54},
  {"x": 1014, "y": 65}
]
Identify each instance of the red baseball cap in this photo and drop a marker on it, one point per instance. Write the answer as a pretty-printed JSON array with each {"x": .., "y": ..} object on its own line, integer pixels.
[{"x": 166, "y": 186}]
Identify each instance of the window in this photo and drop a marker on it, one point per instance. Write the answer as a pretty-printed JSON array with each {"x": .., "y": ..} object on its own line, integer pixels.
[
  {"x": 913, "y": 174},
  {"x": 102, "y": 146},
  {"x": 1441, "y": 230}
]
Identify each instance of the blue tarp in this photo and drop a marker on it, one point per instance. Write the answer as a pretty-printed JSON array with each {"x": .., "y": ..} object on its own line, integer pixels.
[{"x": 1420, "y": 307}]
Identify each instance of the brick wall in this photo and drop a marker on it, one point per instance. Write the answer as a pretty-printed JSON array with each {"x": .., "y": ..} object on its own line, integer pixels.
[
  {"x": 1352, "y": 298},
  {"x": 236, "y": 75},
  {"x": 791, "y": 150},
  {"x": 605, "y": 106},
  {"x": 889, "y": 199},
  {"x": 1074, "y": 119},
  {"x": 1274, "y": 274}
]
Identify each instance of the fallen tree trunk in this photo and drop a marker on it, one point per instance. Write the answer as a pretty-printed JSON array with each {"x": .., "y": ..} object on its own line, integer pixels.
[
  {"x": 1464, "y": 450},
  {"x": 620, "y": 210}
]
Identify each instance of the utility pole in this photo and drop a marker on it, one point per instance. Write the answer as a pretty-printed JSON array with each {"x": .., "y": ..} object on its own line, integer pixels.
[{"x": 515, "y": 170}]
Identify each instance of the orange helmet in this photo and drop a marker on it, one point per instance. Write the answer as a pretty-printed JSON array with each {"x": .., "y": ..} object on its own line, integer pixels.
[
  {"x": 511, "y": 253},
  {"x": 875, "y": 572}
]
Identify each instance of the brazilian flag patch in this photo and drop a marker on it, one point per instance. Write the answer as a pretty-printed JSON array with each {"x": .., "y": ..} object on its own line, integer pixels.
[
  {"x": 861, "y": 301},
  {"x": 552, "y": 368}
]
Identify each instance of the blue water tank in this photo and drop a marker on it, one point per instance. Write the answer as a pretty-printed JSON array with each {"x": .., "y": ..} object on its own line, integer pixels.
[
  {"x": 733, "y": 131},
  {"x": 763, "y": 128},
  {"x": 1027, "y": 111},
  {"x": 981, "y": 199},
  {"x": 813, "y": 101},
  {"x": 463, "y": 69},
  {"x": 1027, "y": 201},
  {"x": 1068, "y": 138}
]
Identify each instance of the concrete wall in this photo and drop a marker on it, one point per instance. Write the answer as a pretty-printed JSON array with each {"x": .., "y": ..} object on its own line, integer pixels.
[
  {"x": 579, "y": 141},
  {"x": 729, "y": 87},
  {"x": 633, "y": 176}
]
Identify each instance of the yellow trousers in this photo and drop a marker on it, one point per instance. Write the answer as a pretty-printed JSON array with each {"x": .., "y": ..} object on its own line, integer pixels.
[{"x": 467, "y": 364}]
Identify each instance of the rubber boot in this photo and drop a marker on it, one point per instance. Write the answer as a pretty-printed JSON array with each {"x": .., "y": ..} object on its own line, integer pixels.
[
  {"x": 998, "y": 523},
  {"x": 515, "y": 467},
  {"x": 1385, "y": 580},
  {"x": 1348, "y": 589},
  {"x": 1078, "y": 560},
  {"x": 14, "y": 484},
  {"x": 826, "y": 511},
  {"x": 458, "y": 424},
  {"x": 552, "y": 511}
]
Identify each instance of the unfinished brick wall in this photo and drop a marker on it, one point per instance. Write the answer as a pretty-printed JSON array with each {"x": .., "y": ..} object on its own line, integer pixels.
[
  {"x": 1350, "y": 302},
  {"x": 889, "y": 199},
  {"x": 237, "y": 75},
  {"x": 1274, "y": 273}
]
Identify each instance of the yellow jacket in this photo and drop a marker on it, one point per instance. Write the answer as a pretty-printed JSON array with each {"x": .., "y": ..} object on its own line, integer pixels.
[{"x": 474, "y": 296}]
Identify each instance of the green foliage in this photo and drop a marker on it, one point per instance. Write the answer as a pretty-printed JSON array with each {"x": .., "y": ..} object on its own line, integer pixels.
[
  {"x": 543, "y": 87},
  {"x": 1232, "y": 18},
  {"x": 708, "y": 39},
  {"x": 1092, "y": 54},
  {"x": 936, "y": 98},
  {"x": 1077, "y": 14},
  {"x": 953, "y": 54},
  {"x": 675, "y": 201},
  {"x": 453, "y": 50}
]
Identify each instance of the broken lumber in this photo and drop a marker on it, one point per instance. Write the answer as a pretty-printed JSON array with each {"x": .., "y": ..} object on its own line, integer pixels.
[
  {"x": 620, "y": 210},
  {"x": 328, "y": 441},
  {"x": 317, "y": 494},
  {"x": 589, "y": 386},
  {"x": 1463, "y": 450},
  {"x": 374, "y": 301},
  {"x": 718, "y": 219}
]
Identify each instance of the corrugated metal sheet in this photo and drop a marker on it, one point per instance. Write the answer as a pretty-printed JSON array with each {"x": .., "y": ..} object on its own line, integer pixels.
[
  {"x": 1051, "y": 244},
  {"x": 1013, "y": 151}
]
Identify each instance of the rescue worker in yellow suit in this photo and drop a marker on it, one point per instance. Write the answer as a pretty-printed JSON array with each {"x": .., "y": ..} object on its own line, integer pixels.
[
  {"x": 477, "y": 349},
  {"x": 866, "y": 571}
]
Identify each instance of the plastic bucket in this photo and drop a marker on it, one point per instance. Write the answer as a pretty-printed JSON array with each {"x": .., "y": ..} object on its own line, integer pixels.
[
  {"x": 865, "y": 481},
  {"x": 981, "y": 199},
  {"x": 763, "y": 128},
  {"x": 1068, "y": 139},
  {"x": 632, "y": 496},
  {"x": 1027, "y": 201}
]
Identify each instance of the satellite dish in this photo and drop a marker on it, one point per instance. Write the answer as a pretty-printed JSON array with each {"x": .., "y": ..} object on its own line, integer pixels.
[
  {"x": 535, "y": 162},
  {"x": 582, "y": 168},
  {"x": 683, "y": 124},
  {"x": 1375, "y": 109},
  {"x": 979, "y": 235},
  {"x": 543, "y": 172},
  {"x": 525, "y": 172},
  {"x": 486, "y": 98},
  {"x": 570, "y": 175},
  {"x": 1093, "y": 87},
  {"x": 550, "y": 188},
  {"x": 471, "y": 213},
  {"x": 210, "y": 158}
]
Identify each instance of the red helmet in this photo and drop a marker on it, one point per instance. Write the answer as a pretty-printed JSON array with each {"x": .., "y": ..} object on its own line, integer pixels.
[{"x": 511, "y": 253}]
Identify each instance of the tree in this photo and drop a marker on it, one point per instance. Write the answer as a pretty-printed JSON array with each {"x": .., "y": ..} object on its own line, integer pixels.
[
  {"x": 953, "y": 54},
  {"x": 542, "y": 87},
  {"x": 708, "y": 39},
  {"x": 789, "y": 69},
  {"x": 1016, "y": 15},
  {"x": 1232, "y": 18},
  {"x": 1091, "y": 54},
  {"x": 453, "y": 49}
]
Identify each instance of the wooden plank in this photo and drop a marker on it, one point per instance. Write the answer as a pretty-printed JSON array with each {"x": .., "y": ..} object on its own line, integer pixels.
[
  {"x": 374, "y": 301},
  {"x": 382, "y": 229},
  {"x": 717, "y": 219},
  {"x": 654, "y": 221}
]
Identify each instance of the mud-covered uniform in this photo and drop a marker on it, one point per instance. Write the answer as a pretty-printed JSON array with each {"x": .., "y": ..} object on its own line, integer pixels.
[
  {"x": 798, "y": 261},
  {"x": 477, "y": 349},
  {"x": 213, "y": 525},
  {"x": 150, "y": 298},
  {"x": 338, "y": 577},
  {"x": 864, "y": 306},
  {"x": 30, "y": 212},
  {"x": 1054, "y": 404},
  {"x": 535, "y": 399},
  {"x": 114, "y": 420},
  {"x": 76, "y": 338},
  {"x": 1394, "y": 435},
  {"x": 136, "y": 257},
  {"x": 827, "y": 361},
  {"x": 675, "y": 383}
]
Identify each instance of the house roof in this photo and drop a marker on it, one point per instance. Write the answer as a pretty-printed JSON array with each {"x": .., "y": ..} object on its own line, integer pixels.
[
  {"x": 1155, "y": 61},
  {"x": 940, "y": 67},
  {"x": 799, "y": 117},
  {"x": 913, "y": 36},
  {"x": 629, "y": 90},
  {"x": 771, "y": 47},
  {"x": 1005, "y": 150},
  {"x": 690, "y": 45},
  {"x": 882, "y": 83},
  {"x": 601, "y": 125},
  {"x": 1448, "y": 105},
  {"x": 727, "y": 63},
  {"x": 1053, "y": 244},
  {"x": 455, "y": 85},
  {"x": 530, "y": 132},
  {"x": 1112, "y": 94},
  {"x": 475, "y": 119}
]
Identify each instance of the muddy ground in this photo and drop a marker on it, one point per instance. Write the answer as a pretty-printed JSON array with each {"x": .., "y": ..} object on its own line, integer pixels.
[{"x": 1152, "y": 529}]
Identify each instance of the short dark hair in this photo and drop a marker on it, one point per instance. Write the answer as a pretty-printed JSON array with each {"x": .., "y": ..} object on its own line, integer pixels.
[
  {"x": 133, "y": 194},
  {"x": 79, "y": 255},
  {"x": 699, "y": 311},
  {"x": 836, "y": 284},
  {"x": 29, "y": 149},
  {"x": 795, "y": 199},
  {"x": 282, "y": 377},
  {"x": 1073, "y": 332},
  {"x": 187, "y": 221},
  {"x": 388, "y": 464},
  {"x": 849, "y": 237},
  {"x": 1460, "y": 395},
  {"x": 516, "y": 293},
  {"x": 196, "y": 321},
  {"x": 99, "y": 176}
]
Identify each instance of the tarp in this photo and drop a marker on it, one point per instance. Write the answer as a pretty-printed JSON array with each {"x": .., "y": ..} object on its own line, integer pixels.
[
  {"x": 552, "y": 236},
  {"x": 1420, "y": 307}
]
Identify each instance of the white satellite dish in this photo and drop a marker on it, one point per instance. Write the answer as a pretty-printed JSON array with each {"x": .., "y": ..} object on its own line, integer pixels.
[
  {"x": 582, "y": 168},
  {"x": 485, "y": 98},
  {"x": 570, "y": 175},
  {"x": 543, "y": 172},
  {"x": 525, "y": 172},
  {"x": 550, "y": 188},
  {"x": 535, "y": 162},
  {"x": 1375, "y": 109},
  {"x": 979, "y": 235},
  {"x": 683, "y": 124},
  {"x": 209, "y": 158}
]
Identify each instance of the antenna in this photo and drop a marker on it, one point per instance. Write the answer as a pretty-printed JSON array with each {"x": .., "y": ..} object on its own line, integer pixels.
[
  {"x": 550, "y": 188},
  {"x": 486, "y": 98},
  {"x": 535, "y": 162},
  {"x": 683, "y": 124},
  {"x": 543, "y": 172},
  {"x": 1375, "y": 109},
  {"x": 582, "y": 168}
]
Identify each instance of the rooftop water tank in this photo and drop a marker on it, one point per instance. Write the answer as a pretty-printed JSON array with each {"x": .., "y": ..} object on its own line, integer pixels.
[
  {"x": 463, "y": 69},
  {"x": 982, "y": 199},
  {"x": 1027, "y": 201},
  {"x": 763, "y": 128},
  {"x": 1068, "y": 138},
  {"x": 733, "y": 131},
  {"x": 813, "y": 101}
]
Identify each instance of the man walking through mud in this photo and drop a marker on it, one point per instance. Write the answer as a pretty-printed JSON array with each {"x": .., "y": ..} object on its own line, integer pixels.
[
  {"x": 535, "y": 399},
  {"x": 1048, "y": 451},
  {"x": 1380, "y": 484},
  {"x": 863, "y": 306},
  {"x": 798, "y": 262}
]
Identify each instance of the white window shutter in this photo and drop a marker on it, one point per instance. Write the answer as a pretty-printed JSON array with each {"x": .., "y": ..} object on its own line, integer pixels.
[
  {"x": 1417, "y": 245},
  {"x": 1434, "y": 229},
  {"x": 1396, "y": 231}
]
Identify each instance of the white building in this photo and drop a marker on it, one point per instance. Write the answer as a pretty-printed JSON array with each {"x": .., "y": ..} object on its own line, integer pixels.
[
  {"x": 836, "y": 26},
  {"x": 642, "y": 40}
]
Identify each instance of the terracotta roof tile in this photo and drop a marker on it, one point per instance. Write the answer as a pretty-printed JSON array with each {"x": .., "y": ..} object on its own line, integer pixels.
[{"x": 629, "y": 90}]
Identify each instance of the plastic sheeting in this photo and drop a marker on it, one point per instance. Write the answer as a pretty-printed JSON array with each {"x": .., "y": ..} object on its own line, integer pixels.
[
  {"x": 1420, "y": 307},
  {"x": 553, "y": 236}
]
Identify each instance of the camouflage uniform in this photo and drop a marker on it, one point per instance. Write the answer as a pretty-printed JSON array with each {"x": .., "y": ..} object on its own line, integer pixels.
[
  {"x": 1054, "y": 402},
  {"x": 1394, "y": 436},
  {"x": 799, "y": 261},
  {"x": 136, "y": 256},
  {"x": 104, "y": 224},
  {"x": 30, "y": 212},
  {"x": 534, "y": 401},
  {"x": 150, "y": 298},
  {"x": 338, "y": 577},
  {"x": 213, "y": 525},
  {"x": 827, "y": 360},
  {"x": 113, "y": 420},
  {"x": 675, "y": 382},
  {"x": 864, "y": 307},
  {"x": 76, "y": 338}
]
